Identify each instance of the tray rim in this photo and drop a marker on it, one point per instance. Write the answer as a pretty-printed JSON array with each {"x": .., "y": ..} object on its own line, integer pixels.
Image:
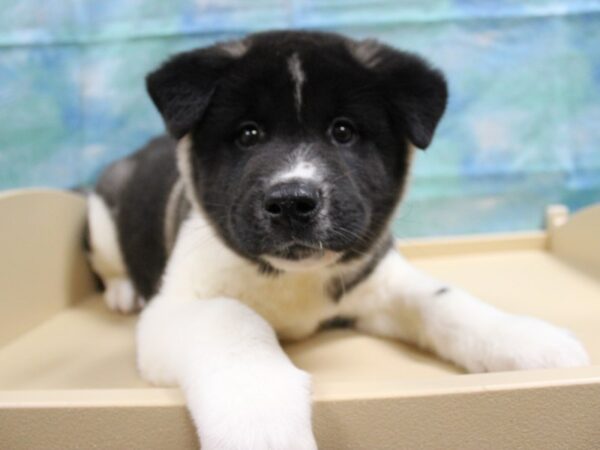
[{"x": 325, "y": 391}]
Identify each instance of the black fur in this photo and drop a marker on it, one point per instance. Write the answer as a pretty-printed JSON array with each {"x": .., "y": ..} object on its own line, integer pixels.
[
  {"x": 391, "y": 98},
  {"x": 181, "y": 89},
  {"x": 136, "y": 190},
  {"x": 342, "y": 285}
]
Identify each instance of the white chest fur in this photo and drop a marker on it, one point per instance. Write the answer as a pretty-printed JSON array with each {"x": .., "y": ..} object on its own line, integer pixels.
[{"x": 202, "y": 267}]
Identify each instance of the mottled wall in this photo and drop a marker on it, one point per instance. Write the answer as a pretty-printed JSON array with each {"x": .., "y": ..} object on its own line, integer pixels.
[{"x": 522, "y": 129}]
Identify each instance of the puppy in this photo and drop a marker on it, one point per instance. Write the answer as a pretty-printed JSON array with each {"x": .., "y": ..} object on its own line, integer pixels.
[{"x": 267, "y": 213}]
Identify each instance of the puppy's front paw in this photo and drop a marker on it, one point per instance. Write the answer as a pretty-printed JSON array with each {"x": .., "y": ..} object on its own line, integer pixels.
[
  {"x": 253, "y": 410},
  {"x": 520, "y": 343},
  {"x": 120, "y": 296}
]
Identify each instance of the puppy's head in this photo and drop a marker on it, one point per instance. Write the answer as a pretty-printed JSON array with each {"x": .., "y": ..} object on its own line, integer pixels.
[{"x": 297, "y": 145}]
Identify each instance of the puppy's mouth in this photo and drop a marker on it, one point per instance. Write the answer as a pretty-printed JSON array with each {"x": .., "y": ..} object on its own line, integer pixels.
[
  {"x": 301, "y": 256},
  {"x": 297, "y": 252}
]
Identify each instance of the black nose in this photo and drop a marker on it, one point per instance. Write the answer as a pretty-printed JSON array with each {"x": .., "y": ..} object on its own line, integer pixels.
[{"x": 292, "y": 201}]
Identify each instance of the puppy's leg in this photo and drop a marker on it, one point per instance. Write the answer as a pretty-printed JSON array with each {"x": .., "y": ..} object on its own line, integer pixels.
[
  {"x": 106, "y": 259},
  {"x": 401, "y": 302},
  {"x": 242, "y": 390}
]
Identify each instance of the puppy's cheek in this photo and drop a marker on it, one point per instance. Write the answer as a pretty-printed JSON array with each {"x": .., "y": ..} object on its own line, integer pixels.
[
  {"x": 247, "y": 225},
  {"x": 349, "y": 215}
]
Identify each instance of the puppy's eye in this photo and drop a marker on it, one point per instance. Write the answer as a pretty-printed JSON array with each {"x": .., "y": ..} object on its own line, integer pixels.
[
  {"x": 342, "y": 131},
  {"x": 249, "y": 135}
]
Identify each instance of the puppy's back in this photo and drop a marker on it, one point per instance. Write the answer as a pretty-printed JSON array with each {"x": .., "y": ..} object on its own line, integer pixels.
[{"x": 136, "y": 190}]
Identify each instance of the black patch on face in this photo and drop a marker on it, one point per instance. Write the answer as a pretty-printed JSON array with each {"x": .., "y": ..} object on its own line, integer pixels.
[
  {"x": 214, "y": 96},
  {"x": 341, "y": 286}
]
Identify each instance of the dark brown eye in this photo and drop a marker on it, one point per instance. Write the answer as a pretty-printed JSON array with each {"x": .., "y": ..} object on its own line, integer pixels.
[
  {"x": 342, "y": 131},
  {"x": 249, "y": 135}
]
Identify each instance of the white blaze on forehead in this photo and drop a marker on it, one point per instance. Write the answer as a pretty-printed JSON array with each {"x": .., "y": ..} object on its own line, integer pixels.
[{"x": 298, "y": 78}]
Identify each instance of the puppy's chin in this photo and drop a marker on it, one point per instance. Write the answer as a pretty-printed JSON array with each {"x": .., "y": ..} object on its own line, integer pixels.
[{"x": 313, "y": 262}]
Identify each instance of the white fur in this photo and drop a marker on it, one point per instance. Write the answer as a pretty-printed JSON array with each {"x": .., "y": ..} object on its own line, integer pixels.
[
  {"x": 298, "y": 78},
  {"x": 203, "y": 267},
  {"x": 242, "y": 390},
  {"x": 301, "y": 170},
  {"x": 120, "y": 295},
  {"x": 316, "y": 262},
  {"x": 400, "y": 302}
]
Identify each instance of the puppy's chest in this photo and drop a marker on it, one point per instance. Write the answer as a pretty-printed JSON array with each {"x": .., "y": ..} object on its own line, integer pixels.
[{"x": 293, "y": 303}]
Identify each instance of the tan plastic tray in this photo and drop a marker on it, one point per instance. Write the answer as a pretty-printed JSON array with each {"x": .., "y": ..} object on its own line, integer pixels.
[{"x": 68, "y": 379}]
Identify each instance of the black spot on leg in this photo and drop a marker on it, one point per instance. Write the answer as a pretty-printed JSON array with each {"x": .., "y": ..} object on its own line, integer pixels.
[
  {"x": 337, "y": 322},
  {"x": 441, "y": 291}
]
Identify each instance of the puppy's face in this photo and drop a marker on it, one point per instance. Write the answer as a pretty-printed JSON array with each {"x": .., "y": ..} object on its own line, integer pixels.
[{"x": 299, "y": 143}]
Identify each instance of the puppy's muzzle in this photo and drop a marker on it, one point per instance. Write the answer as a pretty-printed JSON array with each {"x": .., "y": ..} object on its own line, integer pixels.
[{"x": 292, "y": 203}]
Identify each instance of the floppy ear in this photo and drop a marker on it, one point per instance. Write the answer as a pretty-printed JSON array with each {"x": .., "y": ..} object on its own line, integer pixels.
[
  {"x": 416, "y": 92},
  {"x": 182, "y": 87}
]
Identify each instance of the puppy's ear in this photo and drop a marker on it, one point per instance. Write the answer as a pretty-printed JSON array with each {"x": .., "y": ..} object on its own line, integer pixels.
[
  {"x": 416, "y": 92},
  {"x": 182, "y": 87}
]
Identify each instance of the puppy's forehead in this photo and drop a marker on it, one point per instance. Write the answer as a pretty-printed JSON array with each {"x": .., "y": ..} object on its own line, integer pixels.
[
  {"x": 296, "y": 76},
  {"x": 299, "y": 56}
]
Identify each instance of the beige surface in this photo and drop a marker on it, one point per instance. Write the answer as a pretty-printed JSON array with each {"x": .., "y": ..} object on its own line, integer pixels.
[
  {"x": 578, "y": 243},
  {"x": 33, "y": 286},
  {"x": 72, "y": 373}
]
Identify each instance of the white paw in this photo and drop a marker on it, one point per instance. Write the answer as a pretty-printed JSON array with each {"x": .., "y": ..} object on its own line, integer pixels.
[
  {"x": 156, "y": 360},
  {"x": 253, "y": 410},
  {"x": 120, "y": 296},
  {"x": 519, "y": 343}
]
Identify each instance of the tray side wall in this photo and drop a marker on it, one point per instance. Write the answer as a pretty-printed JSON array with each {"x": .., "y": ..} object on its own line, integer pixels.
[
  {"x": 577, "y": 241},
  {"x": 531, "y": 418},
  {"x": 42, "y": 267}
]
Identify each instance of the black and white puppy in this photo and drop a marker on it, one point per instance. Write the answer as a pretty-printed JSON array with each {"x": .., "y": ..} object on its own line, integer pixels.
[{"x": 267, "y": 214}]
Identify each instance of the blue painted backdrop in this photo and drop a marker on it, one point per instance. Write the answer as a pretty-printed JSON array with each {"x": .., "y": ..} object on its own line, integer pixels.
[{"x": 522, "y": 129}]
